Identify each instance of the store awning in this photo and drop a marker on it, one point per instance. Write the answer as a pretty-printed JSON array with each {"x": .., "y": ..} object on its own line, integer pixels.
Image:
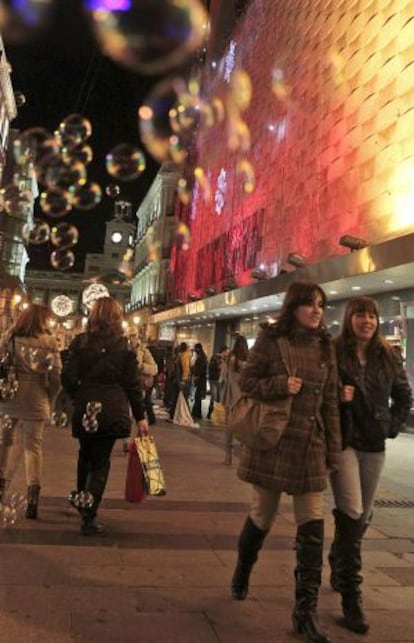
[{"x": 378, "y": 268}]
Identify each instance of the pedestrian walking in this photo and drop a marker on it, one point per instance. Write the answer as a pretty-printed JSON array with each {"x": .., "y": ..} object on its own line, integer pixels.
[
  {"x": 148, "y": 370},
  {"x": 38, "y": 368},
  {"x": 292, "y": 364},
  {"x": 100, "y": 373},
  {"x": 214, "y": 371},
  {"x": 230, "y": 387},
  {"x": 199, "y": 374},
  {"x": 375, "y": 402}
]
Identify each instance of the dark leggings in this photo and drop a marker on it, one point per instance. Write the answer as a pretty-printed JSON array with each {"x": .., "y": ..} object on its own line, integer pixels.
[{"x": 93, "y": 466}]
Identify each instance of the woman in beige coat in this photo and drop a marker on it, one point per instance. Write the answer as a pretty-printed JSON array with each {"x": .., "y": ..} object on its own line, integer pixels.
[
  {"x": 38, "y": 370},
  {"x": 293, "y": 365}
]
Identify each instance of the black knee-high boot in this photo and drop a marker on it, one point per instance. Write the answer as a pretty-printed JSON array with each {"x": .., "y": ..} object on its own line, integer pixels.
[
  {"x": 308, "y": 574},
  {"x": 250, "y": 542},
  {"x": 348, "y": 570},
  {"x": 332, "y": 553},
  {"x": 95, "y": 484},
  {"x": 33, "y": 492}
]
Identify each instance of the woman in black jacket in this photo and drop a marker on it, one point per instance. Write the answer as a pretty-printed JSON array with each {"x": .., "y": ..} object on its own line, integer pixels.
[
  {"x": 100, "y": 373},
  {"x": 375, "y": 402},
  {"x": 199, "y": 373}
]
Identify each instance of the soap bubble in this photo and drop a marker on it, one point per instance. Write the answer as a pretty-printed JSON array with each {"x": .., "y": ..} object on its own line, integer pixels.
[
  {"x": 40, "y": 361},
  {"x": 62, "y": 259},
  {"x": 37, "y": 233},
  {"x": 75, "y": 128},
  {"x": 16, "y": 201},
  {"x": 125, "y": 162},
  {"x": 64, "y": 176},
  {"x": 59, "y": 419},
  {"x": 55, "y": 202},
  {"x": 85, "y": 194},
  {"x": 80, "y": 154},
  {"x": 156, "y": 124},
  {"x": 35, "y": 144},
  {"x": 20, "y": 99},
  {"x": 149, "y": 36},
  {"x": 245, "y": 169},
  {"x": 112, "y": 190},
  {"x": 64, "y": 235}
]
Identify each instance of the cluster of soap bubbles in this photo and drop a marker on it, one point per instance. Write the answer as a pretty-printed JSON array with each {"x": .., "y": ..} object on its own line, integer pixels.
[
  {"x": 89, "y": 419},
  {"x": 38, "y": 359},
  {"x": 81, "y": 499},
  {"x": 6, "y": 427},
  {"x": 10, "y": 508},
  {"x": 59, "y": 419},
  {"x": 9, "y": 385}
]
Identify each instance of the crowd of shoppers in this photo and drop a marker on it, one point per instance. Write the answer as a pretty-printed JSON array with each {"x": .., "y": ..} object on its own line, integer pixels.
[{"x": 338, "y": 401}]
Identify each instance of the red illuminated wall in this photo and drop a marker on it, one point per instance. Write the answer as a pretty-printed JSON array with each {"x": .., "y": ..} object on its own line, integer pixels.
[{"x": 324, "y": 147}]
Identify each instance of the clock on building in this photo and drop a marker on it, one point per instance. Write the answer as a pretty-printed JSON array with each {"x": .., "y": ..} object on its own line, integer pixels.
[{"x": 116, "y": 237}]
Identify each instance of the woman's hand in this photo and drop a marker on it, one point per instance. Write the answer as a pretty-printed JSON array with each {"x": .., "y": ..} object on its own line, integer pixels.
[
  {"x": 142, "y": 428},
  {"x": 346, "y": 393},
  {"x": 294, "y": 384}
]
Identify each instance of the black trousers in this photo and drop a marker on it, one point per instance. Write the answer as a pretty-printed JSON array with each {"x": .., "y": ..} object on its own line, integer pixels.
[{"x": 93, "y": 466}]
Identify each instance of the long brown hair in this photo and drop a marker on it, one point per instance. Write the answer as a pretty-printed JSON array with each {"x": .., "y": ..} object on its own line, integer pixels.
[
  {"x": 298, "y": 294},
  {"x": 32, "y": 322},
  {"x": 346, "y": 342},
  {"x": 240, "y": 351},
  {"x": 105, "y": 318}
]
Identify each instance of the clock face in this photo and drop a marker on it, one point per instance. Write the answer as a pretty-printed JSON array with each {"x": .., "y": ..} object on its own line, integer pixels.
[
  {"x": 116, "y": 237},
  {"x": 62, "y": 305}
]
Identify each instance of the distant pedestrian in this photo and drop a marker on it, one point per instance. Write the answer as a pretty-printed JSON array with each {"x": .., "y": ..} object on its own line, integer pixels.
[
  {"x": 38, "y": 368},
  {"x": 199, "y": 374},
  {"x": 215, "y": 366},
  {"x": 183, "y": 366},
  {"x": 293, "y": 365},
  {"x": 148, "y": 370},
  {"x": 100, "y": 373},
  {"x": 375, "y": 403},
  {"x": 230, "y": 386}
]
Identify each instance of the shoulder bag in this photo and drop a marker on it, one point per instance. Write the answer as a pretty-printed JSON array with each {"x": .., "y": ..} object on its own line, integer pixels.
[
  {"x": 258, "y": 424},
  {"x": 9, "y": 383}
]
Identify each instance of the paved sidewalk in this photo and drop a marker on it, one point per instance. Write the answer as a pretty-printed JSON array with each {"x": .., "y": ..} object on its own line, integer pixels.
[{"x": 162, "y": 573}]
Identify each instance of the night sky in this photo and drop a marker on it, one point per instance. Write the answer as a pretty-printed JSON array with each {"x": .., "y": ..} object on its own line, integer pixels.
[{"x": 62, "y": 71}]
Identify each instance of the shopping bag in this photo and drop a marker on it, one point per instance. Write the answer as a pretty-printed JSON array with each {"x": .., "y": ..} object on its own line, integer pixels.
[
  {"x": 218, "y": 415},
  {"x": 151, "y": 467},
  {"x": 182, "y": 415},
  {"x": 135, "y": 485}
]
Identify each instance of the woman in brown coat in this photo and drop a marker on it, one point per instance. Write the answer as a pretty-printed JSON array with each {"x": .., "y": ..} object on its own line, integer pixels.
[
  {"x": 38, "y": 369},
  {"x": 292, "y": 363}
]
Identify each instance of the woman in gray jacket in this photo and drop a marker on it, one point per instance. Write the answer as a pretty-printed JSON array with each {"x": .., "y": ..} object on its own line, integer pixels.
[
  {"x": 292, "y": 364},
  {"x": 38, "y": 369}
]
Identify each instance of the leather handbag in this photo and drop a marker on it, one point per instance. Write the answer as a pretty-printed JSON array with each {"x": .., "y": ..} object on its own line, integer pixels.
[
  {"x": 151, "y": 466},
  {"x": 259, "y": 425}
]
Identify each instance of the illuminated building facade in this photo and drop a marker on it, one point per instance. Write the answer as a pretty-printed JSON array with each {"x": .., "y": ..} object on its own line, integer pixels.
[{"x": 323, "y": 148}]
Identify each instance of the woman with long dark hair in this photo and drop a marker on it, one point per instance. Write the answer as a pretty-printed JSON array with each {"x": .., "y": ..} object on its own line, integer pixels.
[
  {"x": 230, "y": 387},
  {"x": 101, "y": 375},
  {"x": 375, "y": 403},
  {"x": 292, "y": 364},
  {"x": 38, "y": 369}
]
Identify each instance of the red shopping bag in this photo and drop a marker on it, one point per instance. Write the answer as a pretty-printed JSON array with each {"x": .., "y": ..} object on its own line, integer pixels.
[{"x": 135, "y": 487}]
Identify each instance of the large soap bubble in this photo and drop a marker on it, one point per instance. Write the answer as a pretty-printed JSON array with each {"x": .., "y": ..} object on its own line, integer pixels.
[
  {"x": 149, "y": 36},
  {"x": 125, "y": 162}
]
